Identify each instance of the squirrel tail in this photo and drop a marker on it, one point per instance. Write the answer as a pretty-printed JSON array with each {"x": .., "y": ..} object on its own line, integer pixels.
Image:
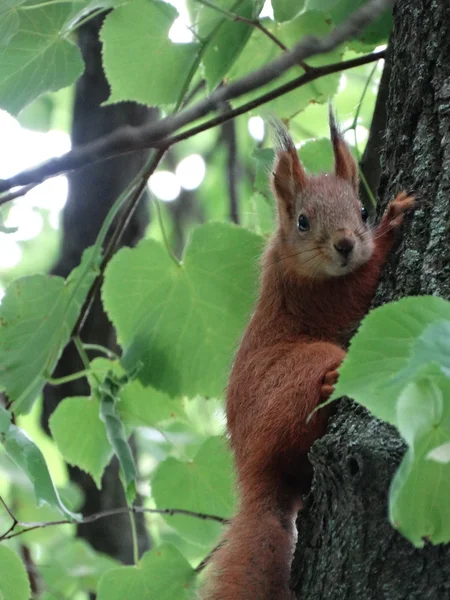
[{"x": 253, "y": 561}]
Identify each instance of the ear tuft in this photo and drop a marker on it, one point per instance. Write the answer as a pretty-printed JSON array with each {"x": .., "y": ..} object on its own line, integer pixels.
[
  {"x": 288, "y": 175},
  {"x": 344, "y": 164},
  {"x": 281, "y": 138}
]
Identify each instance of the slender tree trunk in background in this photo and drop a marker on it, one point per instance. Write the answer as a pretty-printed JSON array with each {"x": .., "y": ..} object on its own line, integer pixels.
[
  {"x": 370, "y": 161},
  {"x": 346, "y": 548},
  {"x": 92, "y": 191}
]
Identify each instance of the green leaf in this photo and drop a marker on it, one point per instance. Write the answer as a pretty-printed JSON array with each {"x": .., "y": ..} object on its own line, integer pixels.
[
  {"x": 186, "y": 319},
  {"x": 146, "y": 407},
  {"x": 52, "y": 110},
  {"x": 115, "y": 430},
  {"x": 80, "y": 435},
  {"x": 162, "y": 573},
  {"x": 202, "y": 485},
  {"x": 227, "y": 36},
  {"x": 74, "y": 565},
  {"x": 140, "y": 406},
  {"x": 376, "y": 33},
  {"x": 5, "y": 229},
  {"x": 260, "y": 50},
  {"x": 38, "y": 58},
  {"x": 382, "y": 348},
  {"x": 5, "y": 419},
  {"x": 14, "y": 583},
  {"x": 82, "y": 8},
  {"x": 259, "y": 215},
  {"x": 132, "y": 34},
  {"x": 316, "y": 155},
  {"x": 26, "y": 455},
  {"x": 37, "y": 316},
  {"x": 323, "y": 5},
  {"x": 285, "y": 10},
  {"x": 440, "y": 454},
  {"x": 432, "y": 346},
  {"x": 418, "y": 503},
  {"x": 9, "y": 20},
  {"x": 264, "y": 158},
  {"x": 397, "y": 367}
]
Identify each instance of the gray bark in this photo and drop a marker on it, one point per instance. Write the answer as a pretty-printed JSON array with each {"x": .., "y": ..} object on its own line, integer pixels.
[
  {"x": 92, "y": 191},
  {"x": 347, "y": 548}
]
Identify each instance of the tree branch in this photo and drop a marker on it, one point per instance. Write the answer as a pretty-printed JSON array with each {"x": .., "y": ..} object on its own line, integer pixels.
[
  {"x": 155, "y": 134},
  {"x": 10, "y": 533}
]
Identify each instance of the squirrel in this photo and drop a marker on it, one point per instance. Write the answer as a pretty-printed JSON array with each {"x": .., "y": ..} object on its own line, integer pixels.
[{"x": 319, "y": 274}]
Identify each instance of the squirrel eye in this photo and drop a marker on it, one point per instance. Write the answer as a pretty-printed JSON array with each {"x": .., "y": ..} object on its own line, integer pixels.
[
  {"x": 364, "y": 214},
  {"x": 303, "y": 223}
]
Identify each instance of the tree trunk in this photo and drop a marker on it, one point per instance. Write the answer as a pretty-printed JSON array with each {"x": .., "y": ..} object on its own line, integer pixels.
[
  {"x": 347, "y": 549},
  {"x": 92, "y": 191}
]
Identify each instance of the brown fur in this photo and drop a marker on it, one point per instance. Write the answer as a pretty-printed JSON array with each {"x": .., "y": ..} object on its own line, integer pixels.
[{"x": 287, "y": 363}]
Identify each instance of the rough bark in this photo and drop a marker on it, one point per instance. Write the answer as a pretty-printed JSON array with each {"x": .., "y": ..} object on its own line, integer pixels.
[
  {"x": 346, "y": 548},
  {"x": 91, "y": 193}
]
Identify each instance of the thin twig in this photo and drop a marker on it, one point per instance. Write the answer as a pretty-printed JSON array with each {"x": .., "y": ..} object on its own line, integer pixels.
[
  {"x": 199, "y": 568},
  {"x": 153, "y": 134},
  {"x": 98, "y": 348},
  {"x": 102, "y": 515},
  {"x": 9, "y": 511},
  {"x": 117, "y": 234},
  {"x": 9, "y": 197},
  {"x": 201, "y": 85},
  {"x": 167, "y": 246}
]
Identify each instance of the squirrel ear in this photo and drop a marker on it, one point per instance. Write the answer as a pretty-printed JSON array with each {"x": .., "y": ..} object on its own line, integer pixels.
[
  {"x": 344, "y": 164},
  {"x": 288, "y": 176}
]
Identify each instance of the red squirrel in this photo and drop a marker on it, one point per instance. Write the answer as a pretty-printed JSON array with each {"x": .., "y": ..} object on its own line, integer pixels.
[{"x": 319, "y": 274}]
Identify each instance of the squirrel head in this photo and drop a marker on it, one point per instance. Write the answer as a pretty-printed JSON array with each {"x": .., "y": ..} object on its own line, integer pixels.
[{"x": 323, "y": 230}]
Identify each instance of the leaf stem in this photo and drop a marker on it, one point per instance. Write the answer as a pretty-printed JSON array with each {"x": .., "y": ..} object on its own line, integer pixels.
[
  {"x": 81, "y": 351},
  {"x": 106, "y": 351},
  {"x": 67, "y": 378},
  {"x": 134, "y": 535},
  {"x": 85, "y": 20},
  {"x": 42, "y": 4},
  {"x": 163, "y": 232}
]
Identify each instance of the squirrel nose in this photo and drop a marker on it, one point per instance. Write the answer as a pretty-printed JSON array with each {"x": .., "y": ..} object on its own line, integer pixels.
[{"x": 344, "y": 246}]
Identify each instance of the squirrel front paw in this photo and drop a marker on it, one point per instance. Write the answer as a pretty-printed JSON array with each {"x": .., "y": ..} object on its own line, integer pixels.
[
  {"x": 397, "y": 208},
  {"x": 328, "y": 384}
]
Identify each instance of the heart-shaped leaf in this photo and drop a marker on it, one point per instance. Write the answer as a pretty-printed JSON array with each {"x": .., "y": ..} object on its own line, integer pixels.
[
  {"x": 162, "y": 573},
  {"x": 132, "y": 34},
  {"x": 37, "y": 316},
  {"x": 186, "y": 319},
  {"x": 80, "y": 435},
  {"x": 38, "y": 58},
  {"x": 14, "y": 583},
  {"x": 202, "y": 485}
]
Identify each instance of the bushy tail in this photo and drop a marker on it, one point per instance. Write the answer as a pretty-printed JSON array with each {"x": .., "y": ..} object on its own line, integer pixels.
[{"x": 254, "y": 559}]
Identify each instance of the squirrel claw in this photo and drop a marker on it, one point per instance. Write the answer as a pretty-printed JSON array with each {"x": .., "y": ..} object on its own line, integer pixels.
[
  {"x": 396, "y": 210},
  {"x": 328, "y": 384}
]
